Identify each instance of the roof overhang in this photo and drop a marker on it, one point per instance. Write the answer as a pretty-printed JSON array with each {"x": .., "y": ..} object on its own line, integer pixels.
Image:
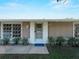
[{"x": 54, "y": 20}]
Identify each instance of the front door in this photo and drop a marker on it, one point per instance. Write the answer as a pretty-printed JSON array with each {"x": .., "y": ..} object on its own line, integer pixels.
[{"x": 38, "y": 31}]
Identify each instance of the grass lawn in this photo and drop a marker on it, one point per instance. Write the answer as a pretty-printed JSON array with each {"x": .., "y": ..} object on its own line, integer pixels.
[
  {"x": 64, "y": 52},
  {"x": 55, "y": 53}
]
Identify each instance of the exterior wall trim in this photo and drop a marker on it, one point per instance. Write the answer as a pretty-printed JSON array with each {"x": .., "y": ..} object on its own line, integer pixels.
[
  {"x": 1, "y": 30},
  {"x": 21, "y": 30},
  {"x": 45, "y": 32},
  {"x": 73, "y": 29},
  {"x": 11, "y": 22},
  {"x": 32, "y": 33}
]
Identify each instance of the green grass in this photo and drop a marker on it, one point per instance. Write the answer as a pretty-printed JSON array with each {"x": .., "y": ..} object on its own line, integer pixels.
[
  {"x": 64, "y": 52},
  {"x": 55, "y": 53}
]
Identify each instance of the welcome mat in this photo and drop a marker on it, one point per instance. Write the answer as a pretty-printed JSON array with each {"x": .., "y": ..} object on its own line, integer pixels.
[{"x": 39, "y": 45}]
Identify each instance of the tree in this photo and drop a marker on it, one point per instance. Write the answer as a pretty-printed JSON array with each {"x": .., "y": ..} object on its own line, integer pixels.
[
  {"x": 61, "y": 0},
  {"x": 58, "y": 0}
]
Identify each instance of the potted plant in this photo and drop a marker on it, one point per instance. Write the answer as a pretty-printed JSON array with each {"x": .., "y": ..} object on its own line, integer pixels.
[
  {"x": 5, "y": 41},
  {"x": 16, "y": 40},
  {"x": 60, "y": 41},
  {"x": 25, "y": 41}
]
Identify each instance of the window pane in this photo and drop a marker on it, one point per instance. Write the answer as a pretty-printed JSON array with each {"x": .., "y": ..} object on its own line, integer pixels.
[
  {"x": 7, "y": 30},
  {"x": 16, "y": 30}
]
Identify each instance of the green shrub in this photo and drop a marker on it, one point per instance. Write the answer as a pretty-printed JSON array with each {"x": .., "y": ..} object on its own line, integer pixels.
[
  {"x": 16, "y": 40},
  {"x": 60, "y": 41},
  {"x": 6, "y": 41},
  {"x": 25, "y": 41},
  {"x": 1, "y": 41},
  {"x": 72, "y": 41},
  {"x": 77, "y": 42},
  {"x": 51, "y": 40}
]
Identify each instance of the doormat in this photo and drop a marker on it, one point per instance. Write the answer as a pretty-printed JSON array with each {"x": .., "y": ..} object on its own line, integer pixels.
[{"x": 39, "y": 44}]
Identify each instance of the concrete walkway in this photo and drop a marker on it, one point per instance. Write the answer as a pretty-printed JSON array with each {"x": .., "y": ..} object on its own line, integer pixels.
[{"x": 18, "y": 49}]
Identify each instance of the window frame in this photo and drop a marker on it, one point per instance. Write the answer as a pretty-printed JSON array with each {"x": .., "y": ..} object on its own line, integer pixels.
[
  {"x": 15, "y": 30},
  {"x": 74, "y": 28},
  {"x": 9, "y": 22},
  {"x": 0, "y": 29},
  {"x": 5, "y": 26}
]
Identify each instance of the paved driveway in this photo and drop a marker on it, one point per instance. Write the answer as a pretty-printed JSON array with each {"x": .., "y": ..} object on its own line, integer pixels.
[{"x": 18, "y": 49}]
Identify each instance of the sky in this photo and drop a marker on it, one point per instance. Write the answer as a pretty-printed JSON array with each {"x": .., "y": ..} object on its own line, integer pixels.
[{"x": 39, "y": 9}]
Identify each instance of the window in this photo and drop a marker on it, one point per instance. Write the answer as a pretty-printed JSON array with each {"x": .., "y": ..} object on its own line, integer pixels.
[
  {"x": 76, "y": 30},
  {"x": 11, "y": 30},
  {"x": 7, "y": 30},
  {"x": 16, "y": 30}
]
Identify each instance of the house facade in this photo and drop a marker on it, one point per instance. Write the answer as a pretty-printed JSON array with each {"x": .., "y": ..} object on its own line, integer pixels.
[{"x": 38, "y": 30}]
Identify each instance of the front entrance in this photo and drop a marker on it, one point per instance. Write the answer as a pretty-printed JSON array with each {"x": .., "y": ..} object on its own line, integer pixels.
[{"x": 38, "y": 32}]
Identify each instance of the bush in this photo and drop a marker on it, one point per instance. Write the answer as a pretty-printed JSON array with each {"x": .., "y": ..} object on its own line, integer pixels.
[
  {"x": 51, "y": 40},
  {"x": 16, "y": 40},
  {"x": 72, "y": 41},
  {"x": 6, "y": 41},
  {"x": 1, "y": 41},
  {"x": 60, "y": 41},
  {"x": 77, "y": 42},
  {"x": 25, "y": 41}
]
